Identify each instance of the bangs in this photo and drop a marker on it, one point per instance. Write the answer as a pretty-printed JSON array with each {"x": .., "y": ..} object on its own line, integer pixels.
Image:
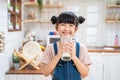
[{"x": 66, "y": 18}]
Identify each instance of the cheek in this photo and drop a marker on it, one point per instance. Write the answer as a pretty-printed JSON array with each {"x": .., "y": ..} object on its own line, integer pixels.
[{"x": 60, "y": 28}]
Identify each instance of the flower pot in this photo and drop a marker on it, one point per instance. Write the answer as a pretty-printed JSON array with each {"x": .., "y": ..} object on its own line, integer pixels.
[{"x": 16, "y": 66}]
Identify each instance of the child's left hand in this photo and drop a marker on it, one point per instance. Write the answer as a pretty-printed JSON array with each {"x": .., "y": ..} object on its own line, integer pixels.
[{"x": 71, "y": 49}]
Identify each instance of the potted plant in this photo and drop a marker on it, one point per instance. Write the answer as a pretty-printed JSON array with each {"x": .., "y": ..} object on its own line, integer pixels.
[
  {"x": 40, "y": 5},
  {"x": 16, "y": 60}
]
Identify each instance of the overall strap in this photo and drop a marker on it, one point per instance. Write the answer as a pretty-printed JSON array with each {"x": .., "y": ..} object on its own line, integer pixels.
[
  {"x": 55, "y": 47},
  {"x": 77, "y": 48}
]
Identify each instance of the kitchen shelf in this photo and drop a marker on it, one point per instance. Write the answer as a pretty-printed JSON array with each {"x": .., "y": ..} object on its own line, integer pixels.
[
  {"x": 25, "y": 71},
  {"x": 112, "y": 21},
  {"x": 113, "y": 6},
  {"x": 110, "y": 6},
  {"x": 45, "y": 6},
  {"x": 14, "y": 30},
  {"x": 37, "y": 21}
]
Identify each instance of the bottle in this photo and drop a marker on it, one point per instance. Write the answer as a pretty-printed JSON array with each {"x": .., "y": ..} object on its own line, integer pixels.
[{"x": 116, "y": 43}]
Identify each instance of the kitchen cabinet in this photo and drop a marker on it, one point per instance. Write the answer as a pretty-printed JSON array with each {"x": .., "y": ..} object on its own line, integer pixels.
[
  {"x": 14, "y": 15},
  {"x": 111, "y": 67},
  {"x": 96, "y": 68},
  {"x": 105, "y": 66},
  {"x": 26, "y": 75},
  {"x": 114, "y": 15}
]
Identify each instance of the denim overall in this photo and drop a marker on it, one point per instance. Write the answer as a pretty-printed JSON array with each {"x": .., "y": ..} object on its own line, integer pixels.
[{"x": 66, "y": 70}]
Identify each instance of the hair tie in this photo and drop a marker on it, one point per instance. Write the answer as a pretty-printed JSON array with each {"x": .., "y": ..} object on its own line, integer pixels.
[
  {"x": 81, "y": 19},
  {"x": 54, "y": 19}
]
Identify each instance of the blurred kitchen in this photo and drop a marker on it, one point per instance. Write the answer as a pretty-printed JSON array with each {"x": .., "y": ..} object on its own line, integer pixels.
[{"x": 22, "y": 21}]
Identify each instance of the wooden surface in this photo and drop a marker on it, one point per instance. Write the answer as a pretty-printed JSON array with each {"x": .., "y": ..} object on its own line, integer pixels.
[
  {"x": 12, "y": 71},
  {"x": 113, "y": 6},
  {"x": 45, "y": 6},
  {"x": 102, "y": 50}
]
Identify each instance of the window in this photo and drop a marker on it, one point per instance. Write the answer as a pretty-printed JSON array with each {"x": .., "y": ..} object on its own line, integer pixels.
[{"x": 93, "y": 21}]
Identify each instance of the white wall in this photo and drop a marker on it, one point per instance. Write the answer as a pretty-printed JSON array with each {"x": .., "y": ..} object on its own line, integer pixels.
[
  {"x": 106, "y": 31},
  {"x": 3, "y": 27},
  {"x": 13, "y": 40}
]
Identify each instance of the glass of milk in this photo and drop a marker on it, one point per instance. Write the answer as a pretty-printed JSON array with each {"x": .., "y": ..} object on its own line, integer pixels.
[{"x": 65, "y": 55}]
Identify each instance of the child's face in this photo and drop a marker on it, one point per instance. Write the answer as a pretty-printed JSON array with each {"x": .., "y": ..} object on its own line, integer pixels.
[{"x": 66, "y": 30}]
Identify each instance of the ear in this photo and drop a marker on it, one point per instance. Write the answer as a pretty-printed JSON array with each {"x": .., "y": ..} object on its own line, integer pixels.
[
  {"x": 76, "y": 29},
  {"x": 56, "y": 27}
]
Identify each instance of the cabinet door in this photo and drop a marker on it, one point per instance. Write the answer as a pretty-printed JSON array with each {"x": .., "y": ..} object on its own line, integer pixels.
[
  {"x": 111, "y": 67},
  {"x": 41, "y": 77},
  {"x": 28, "y": 77},
  {"x": 10, "y": 77},
  {"x": 96, "y": 68},
  {"x": 20, "y": 77}
]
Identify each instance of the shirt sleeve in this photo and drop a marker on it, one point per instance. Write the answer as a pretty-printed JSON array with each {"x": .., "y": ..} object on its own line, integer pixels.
[
  {"x": 47, "y": 54},
  {"x": 84, "y": 56}
]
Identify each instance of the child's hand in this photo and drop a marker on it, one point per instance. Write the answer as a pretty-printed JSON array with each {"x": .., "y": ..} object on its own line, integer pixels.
[
  {"x": 60, "y": 49},
  {"x": 67, "y": 47},
  {"x": 71, "y": 48},
  {"x": 63, "y": 47}
]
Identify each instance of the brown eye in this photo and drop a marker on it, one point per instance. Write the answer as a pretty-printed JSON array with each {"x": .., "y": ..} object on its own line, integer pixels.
[
  {"x": 71, "y": 25},
  {"x": 62, "y": 24}
]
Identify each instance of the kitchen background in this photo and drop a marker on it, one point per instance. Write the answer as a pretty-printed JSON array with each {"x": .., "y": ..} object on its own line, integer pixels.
[{"x": 96, "y": 31}]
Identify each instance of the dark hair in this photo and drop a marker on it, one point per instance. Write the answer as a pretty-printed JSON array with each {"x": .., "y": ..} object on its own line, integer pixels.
[{"x": 67, "y": 17}]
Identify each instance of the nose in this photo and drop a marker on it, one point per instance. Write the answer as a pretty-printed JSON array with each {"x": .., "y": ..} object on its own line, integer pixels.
[{"x": 66, "y": 27}]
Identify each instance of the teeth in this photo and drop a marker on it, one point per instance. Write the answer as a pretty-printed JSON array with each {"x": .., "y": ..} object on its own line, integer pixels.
[{"x": 66, "y": 32}]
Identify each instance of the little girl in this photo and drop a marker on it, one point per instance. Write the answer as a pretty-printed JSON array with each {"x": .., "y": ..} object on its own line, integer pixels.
[{"x": 66, "y": 25}]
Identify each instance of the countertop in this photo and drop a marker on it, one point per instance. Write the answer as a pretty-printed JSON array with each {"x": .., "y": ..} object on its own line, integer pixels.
[
  {"x": 103, "y": 50},
  {"x": 106, "y": 49},
  {"x": 12, "y": 71}
]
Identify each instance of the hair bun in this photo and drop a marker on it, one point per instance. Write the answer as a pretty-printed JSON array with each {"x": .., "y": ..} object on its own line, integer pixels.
[
  {"x": 54, "y": 19},
  {"x": 81, "y": 19}
]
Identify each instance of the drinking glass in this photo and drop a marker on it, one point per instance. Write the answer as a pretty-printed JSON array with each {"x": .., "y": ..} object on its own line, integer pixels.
[{"x": 65, "y": 55}]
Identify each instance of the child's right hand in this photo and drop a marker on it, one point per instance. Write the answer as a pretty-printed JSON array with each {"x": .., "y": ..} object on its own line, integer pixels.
[{"x": 62, "y": 47}]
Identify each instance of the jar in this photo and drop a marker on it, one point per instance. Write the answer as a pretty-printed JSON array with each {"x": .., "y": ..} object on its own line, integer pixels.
[
  {"x": 31, "y": 14},
  {"x": 51, "y": 2}
]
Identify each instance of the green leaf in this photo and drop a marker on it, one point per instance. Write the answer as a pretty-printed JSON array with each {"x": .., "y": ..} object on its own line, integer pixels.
[
  {"x": 16, "y": 59},
  {"x": 40, "y": 5}
]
